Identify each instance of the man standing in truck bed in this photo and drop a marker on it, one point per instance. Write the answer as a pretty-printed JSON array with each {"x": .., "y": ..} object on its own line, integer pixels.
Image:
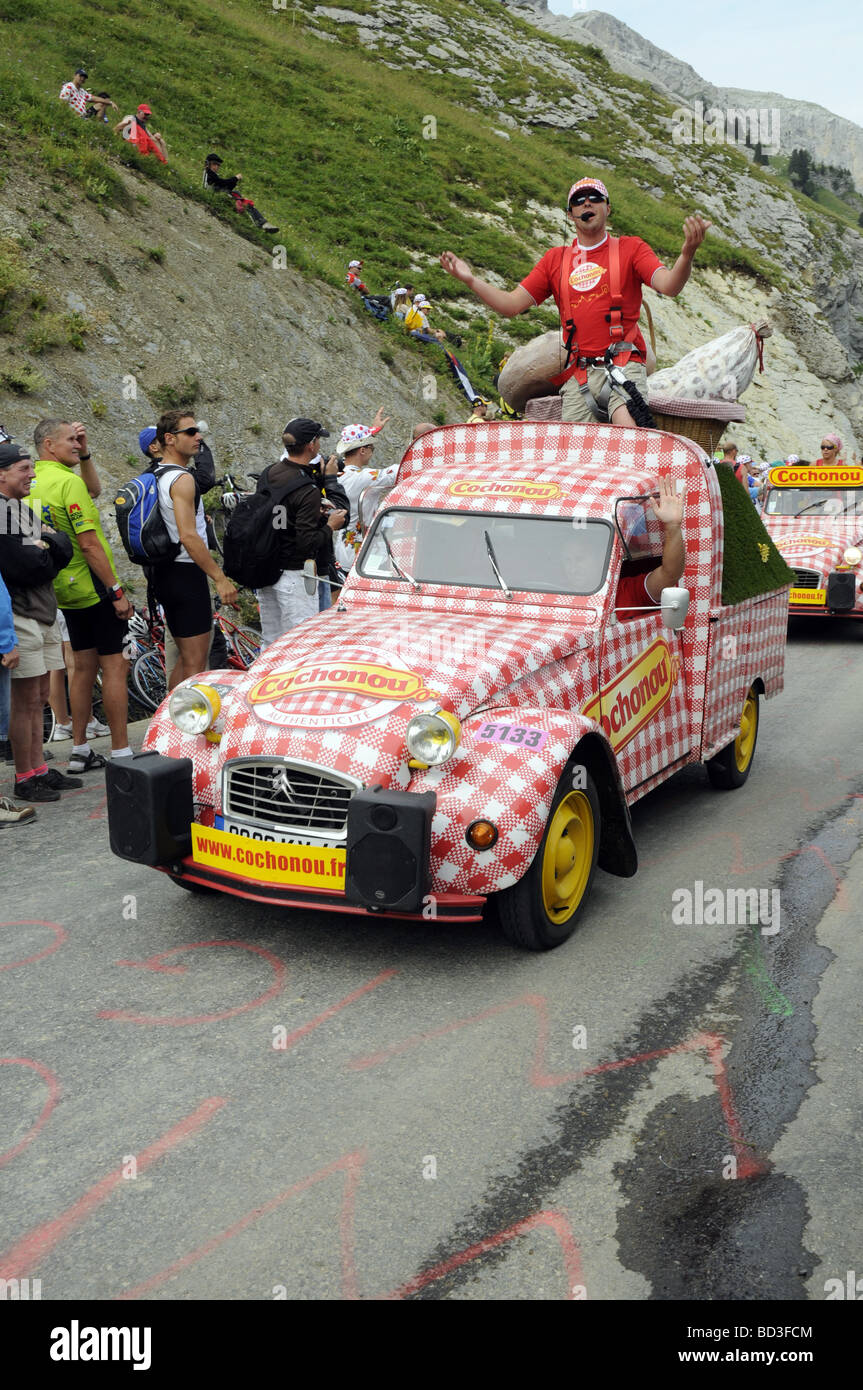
[{"x": 596, "y": 283}]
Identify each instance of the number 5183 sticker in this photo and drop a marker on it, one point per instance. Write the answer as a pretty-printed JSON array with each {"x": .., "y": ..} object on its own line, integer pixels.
[{"x": 519, "y": 735}]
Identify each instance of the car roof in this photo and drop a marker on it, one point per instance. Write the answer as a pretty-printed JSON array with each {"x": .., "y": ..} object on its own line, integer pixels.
[{"x": 540, "y": 467}]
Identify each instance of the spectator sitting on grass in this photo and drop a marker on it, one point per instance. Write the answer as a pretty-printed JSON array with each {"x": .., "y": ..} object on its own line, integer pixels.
[
  {"x": 400, "y": 301},
  {"x": 76, "y": 94},
  {"x": 98, "y": 106},
  {"x": 212, "y": 179},
  {"x": 417, "y": 324},
  {"x": 134, "y": 129}
]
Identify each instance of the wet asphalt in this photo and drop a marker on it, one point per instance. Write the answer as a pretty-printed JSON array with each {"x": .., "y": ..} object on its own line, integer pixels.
[{"x": 202, "y": 1097}]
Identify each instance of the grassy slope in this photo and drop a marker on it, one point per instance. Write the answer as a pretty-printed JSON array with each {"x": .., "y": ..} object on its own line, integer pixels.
[{"x": 329, "y": 139}]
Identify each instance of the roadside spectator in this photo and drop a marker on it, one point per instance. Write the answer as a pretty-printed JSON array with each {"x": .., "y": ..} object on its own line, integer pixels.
[
  {"x": 32, "y": 554},
  {"x": 9, "y": 656},
  {"x": 180, "y": 585},
  {"x": 57, "y": 687},
  {"x": 354, "y": 278},
  {"x": 212, "y": 179},
  {"x": 831, "y": 447},
  {"x": 424, "y": 427},
  {"x": 479, "y": 411},
  {"x": 88, "y": 591},
  {"x": 76, "y": 94},
  {"x": 417, "y": 324},
  {"x": 304, "y": 539},
  {"x": 729, "y": 454},
  {"x": 400, "y": 301},
  {"x": 745, "y": 473},
  {"x": 356, "y": 448},
  {"x": 134, "y": 129},
  {"x": 98, "y": 106}
]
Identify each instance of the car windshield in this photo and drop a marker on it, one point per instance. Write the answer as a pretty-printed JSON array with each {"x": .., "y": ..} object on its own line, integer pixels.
[
  {"x": 814, "y": 501},
  {"x": 546, "y": 555}
]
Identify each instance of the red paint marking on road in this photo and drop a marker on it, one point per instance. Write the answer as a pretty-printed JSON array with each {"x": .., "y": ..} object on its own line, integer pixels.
[
  {"x": 333, "y": 1009},
  {"x": 53, "y": 1096},
  {"x": 101, "y": 811},
  {"x": 350, "y": 1164},
  {"x": 26, "y": 1253},
  {"x": 278, "y": 967},
  {"x": 539, "y": 1077},
  {"x": 59, "y": 938},
  {"x": 555, "y": 1220}
]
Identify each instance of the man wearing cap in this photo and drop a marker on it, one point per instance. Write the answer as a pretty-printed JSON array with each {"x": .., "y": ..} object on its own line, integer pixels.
[
  {"x": 305, "y": 528},
  {"x": 579, "y": 277},
  {"x": 32, "y": 554},
  {"x": 354, "y": 278},
  {"x": 479, "y": 411},
  {"x": 134, "y": 129},
  {"x": 416, "y": 321},
  {"x": 76, "y": 94},
  {"x": 212, "y": 179}
]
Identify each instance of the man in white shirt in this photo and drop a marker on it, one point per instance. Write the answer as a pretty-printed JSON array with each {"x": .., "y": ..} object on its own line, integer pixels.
[{"x": 75, "y": 93}]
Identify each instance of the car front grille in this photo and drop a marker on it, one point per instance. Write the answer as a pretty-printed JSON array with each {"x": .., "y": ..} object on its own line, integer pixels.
[
  {"x": 288, "y": 796},
  {"x": 806, "y": 579}
]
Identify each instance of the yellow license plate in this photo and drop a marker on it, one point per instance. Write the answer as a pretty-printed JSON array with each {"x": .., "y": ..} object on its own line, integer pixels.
[
  {"x": 268, "y": 861},
  {"x": 817, "y": 597}
]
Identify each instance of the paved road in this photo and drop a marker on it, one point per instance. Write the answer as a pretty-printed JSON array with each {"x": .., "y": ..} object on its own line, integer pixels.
[{"x": 202, "y": 1097}]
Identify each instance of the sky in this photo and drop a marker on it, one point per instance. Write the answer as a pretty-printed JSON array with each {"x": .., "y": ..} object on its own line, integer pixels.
[{"x": 813, "y": 52}]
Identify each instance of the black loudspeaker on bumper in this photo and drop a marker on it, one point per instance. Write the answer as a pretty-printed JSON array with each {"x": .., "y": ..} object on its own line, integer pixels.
[
  {"x": 841, "y": 595},
  {"x": 388, "y": 849},
  {"x": 150, "y": 808}
]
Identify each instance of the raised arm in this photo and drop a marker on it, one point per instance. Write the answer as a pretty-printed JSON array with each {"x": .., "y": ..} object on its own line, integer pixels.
[
  {"x": 668, "y": 509},
  {"x": 505, "y": 302},
  {"x": 671, "y": 281}
]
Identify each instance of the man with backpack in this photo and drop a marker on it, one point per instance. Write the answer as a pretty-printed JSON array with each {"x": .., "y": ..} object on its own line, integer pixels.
[
  {"x": 278, "y": 540},
  {"x": 596, "y": 283},
  {"x": 88, "y": 591},
  {"x": 179, "y": 579}
]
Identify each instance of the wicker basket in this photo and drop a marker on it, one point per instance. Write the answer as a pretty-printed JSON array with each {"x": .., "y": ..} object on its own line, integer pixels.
[{"x": 704, "y": 422}]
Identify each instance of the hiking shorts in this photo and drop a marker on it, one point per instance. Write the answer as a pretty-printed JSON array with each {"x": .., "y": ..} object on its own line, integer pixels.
[
  {"x": 184, "y": 593},
  {"x": 40, "y": 648},
  {"x": 96, "y": 627},
  {"x": 575, "y": 409}
]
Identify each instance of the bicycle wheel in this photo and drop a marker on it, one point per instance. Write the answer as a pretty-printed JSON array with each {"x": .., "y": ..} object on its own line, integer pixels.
[
  {"x": 49, "y": 724},
  {"x": 148, "y": 680},
  {"x": 245, "y": 643},
  {"x": 220, "y": 521}
]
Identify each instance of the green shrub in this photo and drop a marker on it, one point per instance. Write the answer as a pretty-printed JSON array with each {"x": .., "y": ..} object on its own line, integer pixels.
[
  {"x": 23, "y": 380},
  {"x": 167, "y": 397}
]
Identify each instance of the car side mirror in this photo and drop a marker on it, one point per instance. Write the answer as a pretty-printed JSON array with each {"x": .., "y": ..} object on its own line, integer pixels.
[{"x": 675, "y": 606}]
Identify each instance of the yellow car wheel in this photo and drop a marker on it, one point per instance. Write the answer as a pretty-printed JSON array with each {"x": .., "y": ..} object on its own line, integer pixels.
[
  {"x": 542, "y": 909},
  {"x": 731, "y": 767}
]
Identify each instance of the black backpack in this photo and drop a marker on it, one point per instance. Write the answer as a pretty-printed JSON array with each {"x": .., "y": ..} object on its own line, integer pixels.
[{"x": 252, "y": 543}]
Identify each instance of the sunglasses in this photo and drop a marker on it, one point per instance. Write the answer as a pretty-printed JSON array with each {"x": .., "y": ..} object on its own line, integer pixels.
[
  {"x": 192, "y": 430},
  {"x": 828, "y": 446},
  {"x": 594, "y": 196}
]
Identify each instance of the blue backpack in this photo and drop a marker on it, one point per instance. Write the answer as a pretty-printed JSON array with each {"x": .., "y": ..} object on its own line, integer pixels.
[{"x": 139, "y": 519}]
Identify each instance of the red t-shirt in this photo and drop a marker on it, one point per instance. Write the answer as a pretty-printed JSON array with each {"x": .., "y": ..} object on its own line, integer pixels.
[
  {"x": 638, "y": 265},
  {"x": 633, "y": 595}
]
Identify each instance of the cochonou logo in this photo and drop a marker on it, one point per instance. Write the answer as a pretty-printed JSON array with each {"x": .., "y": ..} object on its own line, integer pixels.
[
  {"x": 505, "y": 487},
  {"x": 368, "y": 690},
  {"x": 631, "y": 700}
]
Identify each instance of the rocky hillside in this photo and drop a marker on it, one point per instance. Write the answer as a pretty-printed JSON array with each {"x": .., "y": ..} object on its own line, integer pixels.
[
  {"x": 829, "y": 138},
  {"x": 390, "y": 130}
]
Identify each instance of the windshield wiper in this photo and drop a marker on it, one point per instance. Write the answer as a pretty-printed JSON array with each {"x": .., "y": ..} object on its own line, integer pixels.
[
  {"x": 402, "y": 574},
  {"x": 497, "y": 574},
  {"x": 818, "y": 503}
]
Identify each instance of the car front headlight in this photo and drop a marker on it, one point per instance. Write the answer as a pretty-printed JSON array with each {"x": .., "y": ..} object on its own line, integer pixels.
[
  {"x": 853, "y": 555},
  {"x": 432, "y": 738},
  {"x": 194, "y": 708}
]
